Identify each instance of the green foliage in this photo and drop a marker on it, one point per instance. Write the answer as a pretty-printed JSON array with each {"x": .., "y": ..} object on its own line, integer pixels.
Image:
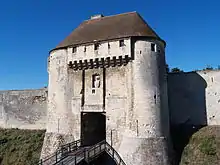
[
  {"x": 203, "y": 147},
  {"x": 167, "y": 68},
  {"x": 208, "y": 146},
  {"x": 176, "y": 70},
  {"x": 20, "y": 147}
]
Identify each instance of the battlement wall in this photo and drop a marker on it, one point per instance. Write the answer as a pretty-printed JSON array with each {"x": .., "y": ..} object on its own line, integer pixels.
[
  {"x": 194, "y": 97},
  {"x": 23, "y": 109}
]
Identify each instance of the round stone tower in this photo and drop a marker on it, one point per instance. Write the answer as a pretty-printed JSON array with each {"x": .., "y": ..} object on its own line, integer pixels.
[
  {"x": 59, "y": 115},
  {"x": 146, "y": 136}
]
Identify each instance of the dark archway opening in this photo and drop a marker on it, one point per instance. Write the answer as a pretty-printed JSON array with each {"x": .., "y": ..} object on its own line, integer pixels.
[{"x": 93, "y": 128}]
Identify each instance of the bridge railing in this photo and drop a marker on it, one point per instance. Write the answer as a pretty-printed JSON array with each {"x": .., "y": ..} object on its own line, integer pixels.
[
  {"x": 60, "y": 154},
  {"x": 114, "y": 154},
  {"x": 87, "y": 153},
  {"x": 99, "y": 148}
]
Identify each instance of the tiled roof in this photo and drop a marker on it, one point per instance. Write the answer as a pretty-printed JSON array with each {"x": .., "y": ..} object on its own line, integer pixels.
[{"x": 108, "y": 28}]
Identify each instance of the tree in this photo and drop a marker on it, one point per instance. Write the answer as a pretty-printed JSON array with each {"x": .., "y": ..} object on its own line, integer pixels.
[
  {"x": 209, "y": 67},
  {"x": 167, "y": 68},
  {"x": 176, "y": 70}
]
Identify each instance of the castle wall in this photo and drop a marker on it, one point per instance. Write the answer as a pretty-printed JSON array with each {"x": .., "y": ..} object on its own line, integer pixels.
[
  {"x": 60, "y": 119},
  {"x": 106, "y": 49},
  {"x": 58, "y": 92},
  {"x": 194, "y": 98},
  {"x": 115, "y": 92},
  {"x": 76, "y": 86},
  {"x": 117, "y": 87},
  {"x": 136, "y": 101},
  {"x": 143, "y": 123},
  {"x": 70, "y": 92},
  {"x": 23, "y": 109}
]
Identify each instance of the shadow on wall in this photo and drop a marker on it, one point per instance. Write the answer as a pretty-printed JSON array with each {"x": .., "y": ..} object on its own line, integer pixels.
[{"x": 187, "y": 106}]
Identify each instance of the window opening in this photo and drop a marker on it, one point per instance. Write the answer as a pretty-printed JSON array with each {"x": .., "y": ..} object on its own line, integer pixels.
[
  {"x": 153, "y": 47},
  {"x": 109, "y": 46},
  {"x": 96, "y": 46},
  {"x": 74, "y": 50},
  {"x": 121, "y": 43}
]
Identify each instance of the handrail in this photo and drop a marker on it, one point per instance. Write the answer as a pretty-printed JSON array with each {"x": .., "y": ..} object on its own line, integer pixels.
[
  {"x": 99, "y": 148},
  {"x": 87, "y": 153},
  {"x": 113, "y": 154},
  {"x": 61, "y": 153}
]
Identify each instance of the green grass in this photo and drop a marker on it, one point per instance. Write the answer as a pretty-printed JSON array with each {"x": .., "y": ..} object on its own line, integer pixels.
[
  {"x": 20, "y": 147},
  {"x": 203, "y": 147}
]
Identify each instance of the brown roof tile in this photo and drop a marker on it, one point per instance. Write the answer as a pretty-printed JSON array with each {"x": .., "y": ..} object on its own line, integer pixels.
[{"x": 109, "y": 27}]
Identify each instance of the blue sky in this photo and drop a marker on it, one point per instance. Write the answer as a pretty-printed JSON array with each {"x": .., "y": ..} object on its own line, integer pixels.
[{"x": 30, "y": 28}]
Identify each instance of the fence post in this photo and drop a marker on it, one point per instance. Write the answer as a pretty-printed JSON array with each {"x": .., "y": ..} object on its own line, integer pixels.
[
  {"x": 56, "y": 156},
  {"x": 69, "y": 146},
  {"x": 113, "y": 154},
  {"x": 62, "y": 150},
  {"x": 111, "y": 137},
  {"x": 120, "y": 161}
]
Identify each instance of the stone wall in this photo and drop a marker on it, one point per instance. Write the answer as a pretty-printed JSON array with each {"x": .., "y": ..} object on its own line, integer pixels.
[
  {"x": 23, "y": 109},
  {"x": 144, "y": 116},
  {"x": 194, "y": 98}
]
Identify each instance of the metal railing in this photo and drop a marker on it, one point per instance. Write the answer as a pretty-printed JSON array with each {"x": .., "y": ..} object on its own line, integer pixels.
[
  {"x": 114, "y": 154},
  {"x": 90, "y": 153},
  {"x": 74, "y": 154},
  {"x": 60, "y": 154}
]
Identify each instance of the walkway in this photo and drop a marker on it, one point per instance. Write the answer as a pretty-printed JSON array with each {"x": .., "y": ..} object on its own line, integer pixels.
[{"x": 73, "y": 154}]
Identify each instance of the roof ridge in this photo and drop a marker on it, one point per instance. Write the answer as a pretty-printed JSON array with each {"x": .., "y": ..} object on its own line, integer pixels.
[{"x": 112, "y": 15}]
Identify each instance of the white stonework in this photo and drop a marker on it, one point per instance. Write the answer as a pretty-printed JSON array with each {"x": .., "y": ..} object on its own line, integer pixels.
[
  {"x": 130, "y": 95},
  {"x": 143, "y": 120},
  {"x": 116, "y": 90},
  {"x": 23, "y": 109},
  {"x": 106, "y": 49},
  {"x": 194, "y": 98},
  {"x": 212, "y": 79},
  {"x": 136, "y": 101}
]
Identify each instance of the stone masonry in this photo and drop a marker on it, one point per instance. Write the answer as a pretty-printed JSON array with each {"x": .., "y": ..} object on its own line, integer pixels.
[
  {"x": 24, "y": 109},
  {"x": 113, "y": 85},
  {"x": 122, "y": 79},
  {"x": 187, "y": 100}
]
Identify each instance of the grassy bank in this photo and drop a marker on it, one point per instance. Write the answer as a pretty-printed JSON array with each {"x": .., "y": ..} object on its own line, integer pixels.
[
  {"x": 203, "y": 147},
  {"x": 20, "y": 147}
]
